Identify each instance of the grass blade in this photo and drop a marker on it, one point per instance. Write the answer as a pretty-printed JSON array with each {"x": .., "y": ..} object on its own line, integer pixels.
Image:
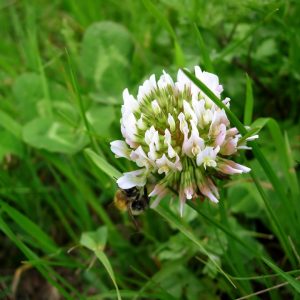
[
  {"x": 96, "y": 241},
  {"x": 46, "y": 272},
  {"x": 248, "y": 111},
  {"x": 179, "y": 56},
  {"x": 292, "y": 281},
  {"x": 175, "y": 222},
  {"x": 102, "y": 164},
  {"x": 231, "y": 47},
  {"x": 43, "y": 240},
  {"x": 205, "y": 55}
]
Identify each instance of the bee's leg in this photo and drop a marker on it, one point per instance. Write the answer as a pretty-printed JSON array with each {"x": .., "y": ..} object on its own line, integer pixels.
[
  {"x": 146, "y": 196},
  {"x": 137, "y": 227}
]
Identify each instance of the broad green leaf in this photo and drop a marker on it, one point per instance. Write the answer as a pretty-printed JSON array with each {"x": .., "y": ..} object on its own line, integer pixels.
[
  {"x": 54, "y": 136},
  {"x": 101, "y": 118},
  {"x": 28, "y": 91},
  {"x": 102, "y": 164},
  {"x": 266, "y": 49},
  {"x": 105, "y": 57}
]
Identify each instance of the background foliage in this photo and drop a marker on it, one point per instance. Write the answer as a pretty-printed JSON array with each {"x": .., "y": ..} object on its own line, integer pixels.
[{"x": 63, "y": 66}]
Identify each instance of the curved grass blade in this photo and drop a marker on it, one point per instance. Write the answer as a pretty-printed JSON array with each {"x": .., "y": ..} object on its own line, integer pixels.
[
  {"x": 102, "y": 164},
  {"x": 96, "y": 241},
  {"x": 205, "y": 55}
]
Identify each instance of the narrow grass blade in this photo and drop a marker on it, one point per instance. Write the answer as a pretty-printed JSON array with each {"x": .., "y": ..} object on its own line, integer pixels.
[
  {"x": 179, "y": 56},
  {"x": 77, "y": 94},
  {"x": 231, "y": 47},
  {"x": 96, "y": 241},
  {"x": 46, "y": 272},
  {"x": 43, "y": 240},
  {"x": 283, "y": 149},
  {"x": 102, "y": 164},
  {"x": 189, "y": 234},
  {"x": 205, "y": 55},
  {"x": 248, "y": 111},
  {"x": 292, "y": 281}
]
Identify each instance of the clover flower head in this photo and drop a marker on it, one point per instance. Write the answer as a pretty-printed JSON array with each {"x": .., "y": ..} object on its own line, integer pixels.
[{"x": 178, "y": 137}]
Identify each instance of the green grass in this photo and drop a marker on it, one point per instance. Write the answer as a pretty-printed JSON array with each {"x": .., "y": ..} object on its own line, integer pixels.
[{"x": 63, "y": 66}]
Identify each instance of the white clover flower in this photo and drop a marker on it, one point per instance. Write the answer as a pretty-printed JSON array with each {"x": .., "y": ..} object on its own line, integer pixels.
[{"x": 178, "y": 137}]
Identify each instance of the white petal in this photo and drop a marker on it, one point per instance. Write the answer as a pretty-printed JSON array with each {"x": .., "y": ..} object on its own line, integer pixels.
[
  {"x": 171, "y": 122},
  {"x": 120, "y": 148},
  {"x": 132, "y": 179},
  {"x": 130, "y": 104},
  {"x": 155, "y": 106},
  {"x": 165, "y": 80},
  {"x": 252, "y": 138},
  {"x": 140, "y": 157}
]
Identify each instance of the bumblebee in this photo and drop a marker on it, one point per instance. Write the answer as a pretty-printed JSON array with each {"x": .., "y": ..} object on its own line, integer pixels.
[{"x": 134, "y": 200}]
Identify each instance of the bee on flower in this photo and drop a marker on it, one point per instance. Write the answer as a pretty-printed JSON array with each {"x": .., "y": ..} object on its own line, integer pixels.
[{"x": 178, "y": 137}]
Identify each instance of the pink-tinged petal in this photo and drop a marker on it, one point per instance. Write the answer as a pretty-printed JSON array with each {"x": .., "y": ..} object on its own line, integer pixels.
[
  {"x": 182, "y": 200},
  {"x": 212, "y": 187},
  {"x": 159, "y": 192},
  {"x": 221, "y": 135},
  {"x": 204, "y": 189},
  {"x": 230, "y": 167},
  {"x": 229, "y": 147},
  {"x": 232, "y": 132},
  {"x": 120, "y": 149},
  {"x": 132, "y": 179},
  {"x": 210, "y": 80}
]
